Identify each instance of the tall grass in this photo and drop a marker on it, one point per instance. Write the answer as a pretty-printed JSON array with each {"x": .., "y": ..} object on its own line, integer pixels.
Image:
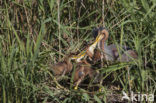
[{"x": 35, "y": 33}]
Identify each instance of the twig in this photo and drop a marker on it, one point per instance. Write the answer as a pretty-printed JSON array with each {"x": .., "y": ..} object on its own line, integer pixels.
[
  {"x": 120, "y": 21},
  {"x": 58, "y": 17},
  {"x": 103, "y": 18}
]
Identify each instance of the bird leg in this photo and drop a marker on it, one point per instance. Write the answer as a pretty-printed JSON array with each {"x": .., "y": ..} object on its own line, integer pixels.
[
  {"x": 79, "y": 81},
  {"x": 57, "y": 84},
  {"x": 64, "y": 72}
]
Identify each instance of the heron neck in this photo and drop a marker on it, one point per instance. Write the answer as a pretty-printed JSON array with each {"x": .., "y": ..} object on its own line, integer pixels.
[{"x": 102, "y": 44}]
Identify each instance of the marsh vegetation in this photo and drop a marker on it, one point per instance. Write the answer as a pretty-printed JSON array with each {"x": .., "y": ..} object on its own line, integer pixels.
[{"x": 34, "y": 34}]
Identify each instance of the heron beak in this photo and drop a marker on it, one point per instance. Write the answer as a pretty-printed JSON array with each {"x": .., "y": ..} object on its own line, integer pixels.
[
  {"x": 98, "y": 38},
  {"x": 80, "y": 55},
  {"x": 83, "y": 53}
]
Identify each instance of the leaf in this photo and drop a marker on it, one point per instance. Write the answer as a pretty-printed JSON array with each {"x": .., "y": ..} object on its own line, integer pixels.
[
  {"x": 86, "y": 96},
  {"x": 39, "y": 40},
  {"x": 145, "y": 4},
  {"x": 97, "y": 99},
  {"x": 150, "y": 10},
  {"x": 114, "y": 67}
]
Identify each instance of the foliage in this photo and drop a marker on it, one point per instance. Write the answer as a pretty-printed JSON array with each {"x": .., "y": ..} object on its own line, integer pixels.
[{"x": 37, "y": 33}]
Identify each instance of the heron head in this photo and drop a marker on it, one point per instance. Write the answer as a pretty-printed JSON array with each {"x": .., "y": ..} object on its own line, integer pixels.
[{"x": 96, "y": 31}]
